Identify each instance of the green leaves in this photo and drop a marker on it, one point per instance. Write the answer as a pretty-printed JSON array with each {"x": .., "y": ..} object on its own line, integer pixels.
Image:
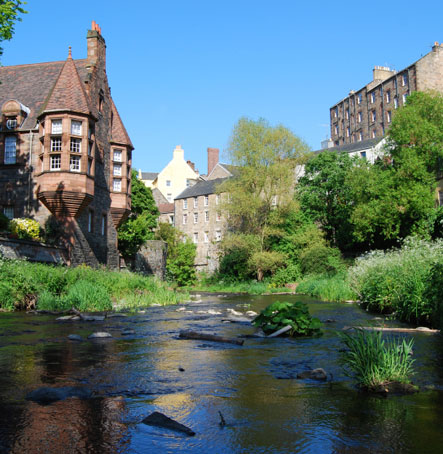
[
  {"x": 280, "y": 314},
  {"x": 9, "y": 14}
]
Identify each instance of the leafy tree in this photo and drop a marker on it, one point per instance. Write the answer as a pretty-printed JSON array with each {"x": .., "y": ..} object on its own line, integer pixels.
[
  {"x": 140, "y": 225},
  {"x": 181, "y": 254},
  {"x": 326, "y": 198},
  {"x": 9, "y": 14},
  {"x": 261, "y": 192}
]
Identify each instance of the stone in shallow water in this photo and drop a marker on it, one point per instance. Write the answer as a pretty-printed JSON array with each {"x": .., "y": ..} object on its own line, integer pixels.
[
  {"x": 75, "y": 337},
  {"x": 116, "y": 314},
  {"x": 93, "y": 318},
  {"x": 68, "y": 318},
  {"x": 45, "y": 396},
  {"x": 99, "y": 335},
  {"x": 160, "y": 420},
  {"x": 315, "y": 374},
  {"x": 128, "y": 332}
]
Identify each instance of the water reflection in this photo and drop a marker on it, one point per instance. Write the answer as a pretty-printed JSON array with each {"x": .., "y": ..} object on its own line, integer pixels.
[{"x": 266, "y": 409}]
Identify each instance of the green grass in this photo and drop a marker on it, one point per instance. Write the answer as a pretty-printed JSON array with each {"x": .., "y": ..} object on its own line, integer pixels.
[
  {"x": 59, "y": 288},
  {"x": 374, "y": 361},
  {"x": 250, "y": 287},
  {"x": 326, "y": 287}
]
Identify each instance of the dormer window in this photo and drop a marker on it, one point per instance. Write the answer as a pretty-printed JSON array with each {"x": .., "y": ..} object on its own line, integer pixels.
[
  {"x": 11, "y": 123},
  {"x": 76, "y": 127},
  {"x": 10, "y": 150},
  {"x": 56, "y": 127}
]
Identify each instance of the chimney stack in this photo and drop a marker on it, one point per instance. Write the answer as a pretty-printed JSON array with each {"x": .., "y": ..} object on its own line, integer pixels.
[
  {"x": 213, "y": 157},
  {"x": 96, "y": 46}
]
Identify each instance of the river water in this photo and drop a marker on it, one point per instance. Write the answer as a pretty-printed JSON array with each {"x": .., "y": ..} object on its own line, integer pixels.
[{"x": 254, "y": 386}]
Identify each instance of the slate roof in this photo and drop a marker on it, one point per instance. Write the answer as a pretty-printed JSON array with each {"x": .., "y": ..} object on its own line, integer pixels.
[
  {"x": 200, "y": 188},
  {"x": 149, "y": 175},
  {"x": 119, "y": 134},
  {"x": 32, "y": 84},
  {"x": 353, "y": 147}
]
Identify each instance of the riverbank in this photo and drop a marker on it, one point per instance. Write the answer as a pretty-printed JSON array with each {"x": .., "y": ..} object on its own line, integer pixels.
[{"x": 25, "y": 285}]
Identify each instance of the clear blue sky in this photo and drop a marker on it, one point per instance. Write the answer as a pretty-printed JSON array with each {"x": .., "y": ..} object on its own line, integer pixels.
[{"x": 184, "y": 71}]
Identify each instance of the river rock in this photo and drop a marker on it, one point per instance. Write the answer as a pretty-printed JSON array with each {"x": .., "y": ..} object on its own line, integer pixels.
[
  {"x": 45, "y": 396},
  {"x": 68, "y": 318},
  {"x": 160, "y": 420},
  {"x": 75, "y": 337},
  {"x": 115, "y": 315},
  {"x": 315, "y": 374},
  {"x": 99, "y": 335},
  {"x": 234, "y": 312},
  {"x": 93, "y": 318},
  {"x": 251, "y": 314},
  {"x": 128, "y": 332}
]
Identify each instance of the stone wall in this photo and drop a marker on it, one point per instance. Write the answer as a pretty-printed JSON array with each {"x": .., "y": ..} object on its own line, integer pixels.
[{"x": 151, "y": 259}]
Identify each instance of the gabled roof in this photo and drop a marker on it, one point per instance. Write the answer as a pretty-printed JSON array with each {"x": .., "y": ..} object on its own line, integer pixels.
[
  {"x": 201, "y": 188},
  {"x": 68, "y": 92},
  {"x": 149, "y": 175},
  {"x": 166, "y": 208},
  {"x": 119, "y": 134},
  {"x": 353, "y": 147},
  {"x": 32, "y": 84}
]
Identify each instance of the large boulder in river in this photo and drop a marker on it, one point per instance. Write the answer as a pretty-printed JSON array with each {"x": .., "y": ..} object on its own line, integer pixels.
[
  {"x": 45, "y": 396},
  {"x": 160, "y": 420}
]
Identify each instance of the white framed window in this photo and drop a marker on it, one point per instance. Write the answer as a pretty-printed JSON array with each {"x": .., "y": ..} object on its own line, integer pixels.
[
  {"x": 388, "y": 96},
  {"x": 347, "y": 114},
  {"x": 8, "y": 212},
  {"x": 117, "y": 185},
  {"x": 396, "y": 102},
  {"x": 373, "y": 97},
  {"x": 218, "y": 235},
  {"x": 359, "y": 98},
  {"x": 363, "y": 154},
  {"x": 206, "y": 216},
  {"x": 373, "y": 115},
  {"x": 195, "y": 218},
  {"x": 206, "y": 201},
  {"x": 104, "y": 224},
  {"x": 56, "y": 126},
  {"x": 404, "y": 80},
  {"x": 10, "y": 150},
  {"x": 168, "y": 183},
  {"x": 117, "y": 155},
  {"x": 90, "y": 220},
  {"x": 55, "y": 162},
  {"x": 360, "y": 136},
  {"x": 218, "y": 216},
  {"x": 117, "y": 170},
  {"x": 206, "y": 237},
  {"x": 76, "y": 145},
  {"x": 56, "y": 144},
  {"x": 76, "y": 127},
  {"x": 169, "y": 197},
  {"x": 195, "y": 202},
  {"x": 389, "y": 116},
  {"x": 171, "y": 219},
  {"x": 404, "y": 97},
  {"x": 74, "y": 164},
  {"x": 336, "y": 129},
  {"x": 217, "y": 199},
  {"x": 348, "y": 131},
  {"x": 373, "y": 134},
  {"x": 185, "y": 204},
  {"x": 359, "y": 117},
  {"x": 185, "y": 218},
  {"x": 195, "y": 237}
]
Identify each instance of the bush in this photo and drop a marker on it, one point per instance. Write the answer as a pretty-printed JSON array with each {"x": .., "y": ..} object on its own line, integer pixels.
[
  {"x": 85, "y": 295},
  {"x": 374, "y": 361},
  {"x": 50, "y": 302},
  {"x": 25, "y": 229},
  {"x": 6, "y": 296},
  {"x": 278, "y": 315},
  {"x": 4, "y": 222},
  {"x": 327, "y": 287},
  {"x": 321, "y": 259},
  {"x": 180, "y": 267},
  {"x": 433, "y": 295},
  {"x": 286, "y": 275}
]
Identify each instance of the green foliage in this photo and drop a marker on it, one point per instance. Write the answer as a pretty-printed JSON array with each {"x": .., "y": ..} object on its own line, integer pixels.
[
  {"x": 280, "y": 314},
  {"x": 327, "y": 287},
  {"x": 321, "y": 259},
  {"x": 181, "y": 254},
  {"x": 396, "y": 281},
  {"x": 433, "y": 294},
  {"x": 47, "y": 301},
  {"x": 53, "y": 231},
  {"x": 85, "y": 295},
  {"x": 140, "y": 225},
  {"x": 25, "y": 229},
  {"x": 4, "y": 222},
  {"x": 9, "y": 14},
  {"x": 291, "y": 273},
  {"x": 6, "y": 296},
  {"x": 375, "y": 361}
]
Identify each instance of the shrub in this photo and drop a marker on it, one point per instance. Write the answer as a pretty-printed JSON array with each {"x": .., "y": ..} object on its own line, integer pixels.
[
  {"x": 85, "y": 295},
  {"x": 26, "y": 229},
  {"x": 6, "y": 296},
  {"x": 278, "y": 315},
  {"x": 286, "y": 275},
  {"x": 327, "y": 287},
  {"x": 375, "y": 361},
  {"x": 4, "y": 222},
  {"x": 433, "y": 295},
  {"x": 321, "y": 259},
  {"x": 50, "y": 302}
]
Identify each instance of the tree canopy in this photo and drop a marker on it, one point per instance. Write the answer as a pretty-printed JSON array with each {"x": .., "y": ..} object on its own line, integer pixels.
[{"x": 9, "y": 14}]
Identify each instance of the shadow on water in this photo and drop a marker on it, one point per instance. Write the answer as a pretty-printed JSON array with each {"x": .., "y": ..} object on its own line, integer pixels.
[{"x": 254, "y": 387}]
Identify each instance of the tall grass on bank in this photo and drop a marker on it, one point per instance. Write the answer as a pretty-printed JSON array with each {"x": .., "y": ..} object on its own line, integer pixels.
[
  {"x": 327, "y": 287},
  {"x": 251, "y": 287},
  {"x": 59, "y": 288},
  {"x": 375, "y": 361},
  {"x": 398, "y": 281}
]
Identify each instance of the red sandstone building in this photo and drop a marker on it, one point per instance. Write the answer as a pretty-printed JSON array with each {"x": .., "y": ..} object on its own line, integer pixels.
[{"x": 64, "y": 151}]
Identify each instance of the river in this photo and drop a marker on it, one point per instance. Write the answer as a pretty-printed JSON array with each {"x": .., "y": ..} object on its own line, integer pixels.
[{"x": 254, "y": 386}]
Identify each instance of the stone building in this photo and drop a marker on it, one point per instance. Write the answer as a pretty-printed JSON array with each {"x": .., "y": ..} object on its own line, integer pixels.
[
  {"x": 367, "y": 113},
  {"x": 64, "y": 151}
]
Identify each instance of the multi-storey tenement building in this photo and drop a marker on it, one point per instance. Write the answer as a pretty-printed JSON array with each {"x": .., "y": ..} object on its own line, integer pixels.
[
  {"x": 64, "y": 151},
  {"x": 367, "y": 113}
]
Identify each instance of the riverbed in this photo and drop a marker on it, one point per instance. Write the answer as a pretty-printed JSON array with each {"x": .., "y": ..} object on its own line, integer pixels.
[{"x": 266, "y": 409}]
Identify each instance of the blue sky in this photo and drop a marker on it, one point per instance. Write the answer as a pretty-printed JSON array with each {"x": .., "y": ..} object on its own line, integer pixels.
[{"x": 183, "y": 72}]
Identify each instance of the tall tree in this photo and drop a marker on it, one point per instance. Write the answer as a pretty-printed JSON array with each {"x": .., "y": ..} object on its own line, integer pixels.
[
  {"x": 9, "y": 14},
  {"x": 261, "y": 192},
  {"x": 140, "y": 225}
]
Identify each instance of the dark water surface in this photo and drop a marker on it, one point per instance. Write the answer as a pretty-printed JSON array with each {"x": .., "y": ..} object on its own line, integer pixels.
[{"x": 266, "y": 409}]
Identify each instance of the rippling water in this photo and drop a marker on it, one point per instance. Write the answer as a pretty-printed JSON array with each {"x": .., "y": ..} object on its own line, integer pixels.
[{"x": 266, "y": 409}]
